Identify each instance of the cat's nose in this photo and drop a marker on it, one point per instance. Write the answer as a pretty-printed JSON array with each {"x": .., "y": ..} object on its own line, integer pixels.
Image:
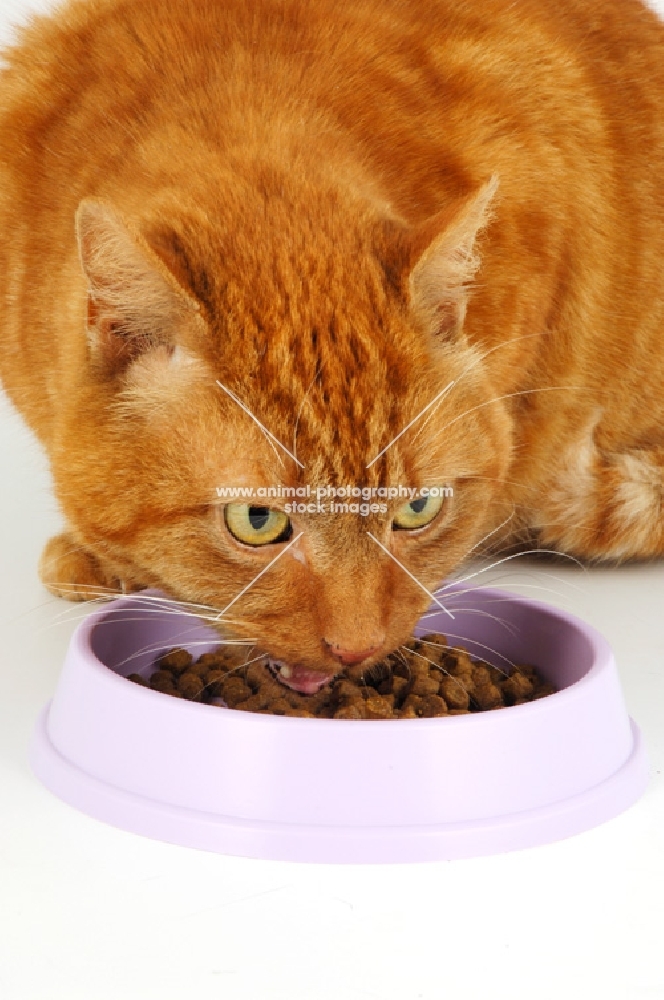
[{"x": 349, "y": 656}]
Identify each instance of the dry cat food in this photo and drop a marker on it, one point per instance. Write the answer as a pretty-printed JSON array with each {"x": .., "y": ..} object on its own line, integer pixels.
[{"x": 423, "y": 679}]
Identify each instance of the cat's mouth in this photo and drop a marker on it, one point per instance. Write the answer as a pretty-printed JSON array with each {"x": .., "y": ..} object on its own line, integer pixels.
[{"x": 299, "y": 678}]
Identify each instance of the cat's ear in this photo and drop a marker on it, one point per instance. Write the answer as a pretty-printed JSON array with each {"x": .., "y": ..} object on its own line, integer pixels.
[
  {"x": 134, "y": 302},
  {"x": 444, "y": 261}
]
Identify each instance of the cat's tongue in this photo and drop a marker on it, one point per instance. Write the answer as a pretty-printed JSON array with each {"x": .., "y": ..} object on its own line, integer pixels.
[{"x": 300, "y": 678}]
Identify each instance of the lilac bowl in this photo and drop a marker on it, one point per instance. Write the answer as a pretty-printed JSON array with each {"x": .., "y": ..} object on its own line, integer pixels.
[{"x": 330, "y": 790}]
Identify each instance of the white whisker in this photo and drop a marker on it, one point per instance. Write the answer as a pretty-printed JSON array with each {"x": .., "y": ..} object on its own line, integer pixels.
[
  {"x": 413, "y": 578},
  {"x": 508, "y": 395},
  {"x": 473, "y": 364},
  {"x": 486, "y": 614},
  {"x": 415, "y": 418},
  {"x": 268, "y": 434},
  {"x": 514, "y": 555},
  {"x": 259, "y": 575},
  {"x": 299, "y": 412}
]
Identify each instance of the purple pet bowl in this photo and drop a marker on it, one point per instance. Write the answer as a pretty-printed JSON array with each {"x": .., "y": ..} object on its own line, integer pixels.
[{"x": 331, "y": 790}]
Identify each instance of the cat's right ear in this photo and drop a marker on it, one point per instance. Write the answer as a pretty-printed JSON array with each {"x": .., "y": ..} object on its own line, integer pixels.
[
  {"x": 134, "y": 302},
  {"x": 438, "y": 259}
]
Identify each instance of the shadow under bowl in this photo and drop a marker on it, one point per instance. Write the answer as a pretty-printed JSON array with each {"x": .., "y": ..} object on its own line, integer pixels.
[{"x": 331, "y": 790}]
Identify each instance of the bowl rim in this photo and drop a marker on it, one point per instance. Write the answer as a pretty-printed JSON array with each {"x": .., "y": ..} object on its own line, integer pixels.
[{"x": 602, "y": 659}]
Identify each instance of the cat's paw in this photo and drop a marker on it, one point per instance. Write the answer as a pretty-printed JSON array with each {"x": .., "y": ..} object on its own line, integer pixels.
[{"x": 70, "y": 572}]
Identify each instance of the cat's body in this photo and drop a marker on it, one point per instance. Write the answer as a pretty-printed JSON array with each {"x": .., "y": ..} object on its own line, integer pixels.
[{"x": 292, "y": 198}]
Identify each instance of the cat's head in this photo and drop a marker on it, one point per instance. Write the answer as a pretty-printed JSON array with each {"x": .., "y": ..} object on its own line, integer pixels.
[{"x": 274, "y": 346}]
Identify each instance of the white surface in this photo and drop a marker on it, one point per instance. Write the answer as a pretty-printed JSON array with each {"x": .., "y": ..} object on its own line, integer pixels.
[{"x": 88, "y": 912}]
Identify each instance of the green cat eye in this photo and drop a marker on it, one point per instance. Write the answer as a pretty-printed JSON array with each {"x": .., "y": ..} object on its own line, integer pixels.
[
  {"x": 257, "y": 525},
  {"x": 417, "y": 513}
]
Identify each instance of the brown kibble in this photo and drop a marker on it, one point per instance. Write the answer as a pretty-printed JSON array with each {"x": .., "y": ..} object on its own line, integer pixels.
[
  {"x": 320, "y": 700},
  {"x": 419, "y": 667},
  {"x": 355, "y": 672},
  {"x": 213, "y": 683},
  {"x": 213, "y": 661},
  {"x": 497, "y": 675},
  {"x": 294, "y": 698},
  {"x": 433, "y": 705},
  {"x": 517, "y": 686},
  {"x": 399, "y": 685},
  {"x": 378, "y": 708},
  {"x": 254, "y": 703},
  {"x": 162, "y": 680},
  {"x": 544, "y": 691},
  {"x": 190, "y": 685},
  {"x": 199, "y": 669},
  {"x": 279, "y": 706},
  {"x": 488, "y": 696},
  {"x": 255, "y": 675},
  {"x": 407, "y": 684},
  {"x": 349, "y": 712},
  {"x": 176, "y": 660},
  {"x": 461, "y": 663},
  {"x": 413, "y": 701},
  {"x": 344, "y": 689},
  {"x": 234, "y": 690},
  {"x": 481, "y": 676},
  {"x": 408, "y": 713},
  {"x": 401, "y": 668},
  {"x": 435, "y": 645},
  {"x": 137, "y": 679},
  {"x": 455, "y": 692},
  {"x": 425, "y": 685}
]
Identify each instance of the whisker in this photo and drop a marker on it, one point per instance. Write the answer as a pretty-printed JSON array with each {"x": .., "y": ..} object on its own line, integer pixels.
[
  {"x": 480, "y": 588},
  {"x": 407, "y": 571},
  {"x": 482, "y": 645},
  {"x": 174, "y": 601},
  {"x": 77, "y": 613},
  {"x": 514, "y": 555},
  {"x": 517, "y": 582},
  {"x": 473, "y": 364},
  {"x": 260, "y": 574},
  {"x": 158, "y": 647},
  {"x": 442, "y": 669},
  {"x": 299, "y": 412},
  {"x": 269, "y": 436},
  {"x": 435, "y": 400},
  {"x": 496, "y": 399},
  {"x": 480, "y": 611},
  {"x": 488, "y": 535},
  {"x": 105, "y": 593}
]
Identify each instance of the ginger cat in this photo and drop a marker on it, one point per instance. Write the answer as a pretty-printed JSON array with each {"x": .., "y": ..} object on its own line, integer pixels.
[{"x": 415, "y": 243}]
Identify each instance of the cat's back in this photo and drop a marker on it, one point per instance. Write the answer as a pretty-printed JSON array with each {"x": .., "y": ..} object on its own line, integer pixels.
[
  {"x": 437, "y": 94},
  {"x": 115, "y": 62},
  {"x": 111, "y": 96}
]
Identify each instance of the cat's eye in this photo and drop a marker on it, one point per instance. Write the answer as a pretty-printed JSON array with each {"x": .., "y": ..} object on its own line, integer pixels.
[
  {"x": 418, "y": 513},
  {"x": 253, "y": 525}
]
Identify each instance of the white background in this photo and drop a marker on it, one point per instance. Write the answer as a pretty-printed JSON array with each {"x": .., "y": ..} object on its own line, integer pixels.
[{"x": 88, "y": 912}]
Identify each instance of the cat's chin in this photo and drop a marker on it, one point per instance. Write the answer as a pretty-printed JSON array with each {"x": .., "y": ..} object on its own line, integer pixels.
[{"x": 299, "y": 678}]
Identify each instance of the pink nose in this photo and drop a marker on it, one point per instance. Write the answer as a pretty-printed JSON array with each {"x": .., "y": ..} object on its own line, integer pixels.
[{"x": 348, "y": 656}]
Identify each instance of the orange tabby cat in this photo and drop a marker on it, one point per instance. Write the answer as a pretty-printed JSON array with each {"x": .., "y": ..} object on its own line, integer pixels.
[{"x": 429, "y": 232}]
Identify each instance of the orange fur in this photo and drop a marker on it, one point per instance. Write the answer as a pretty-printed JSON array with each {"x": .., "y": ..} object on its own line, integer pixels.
[{"x": 335, "y": 208}]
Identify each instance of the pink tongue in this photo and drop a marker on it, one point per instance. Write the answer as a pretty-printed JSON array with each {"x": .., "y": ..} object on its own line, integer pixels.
[{"x": 304, "y": 681}]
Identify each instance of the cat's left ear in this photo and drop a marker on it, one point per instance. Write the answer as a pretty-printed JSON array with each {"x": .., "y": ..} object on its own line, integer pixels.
[
  {"x": 444, "y": 261},
  {"x": 134, "y": 302}
]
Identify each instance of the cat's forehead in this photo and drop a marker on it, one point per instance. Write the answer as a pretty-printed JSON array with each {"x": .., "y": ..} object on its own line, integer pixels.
[
  {"x": 326, "y": 413},
  {"x": 333, "y": 392}
]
